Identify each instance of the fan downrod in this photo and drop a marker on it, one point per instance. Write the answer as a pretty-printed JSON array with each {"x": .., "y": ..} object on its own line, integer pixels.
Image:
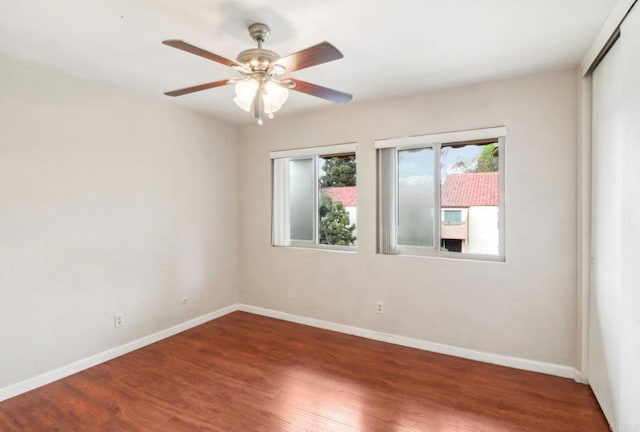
[{"x": 258, "y": 58}]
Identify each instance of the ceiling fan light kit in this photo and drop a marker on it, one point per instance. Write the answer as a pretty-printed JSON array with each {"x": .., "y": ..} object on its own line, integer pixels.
[{"x": 263, "y": 87}]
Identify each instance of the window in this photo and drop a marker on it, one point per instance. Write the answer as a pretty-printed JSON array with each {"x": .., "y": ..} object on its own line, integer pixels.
[
  {"x": 452, "y": 217},
  {"x": 443, "y": 194},
  {"x": 315, "y": 197}
]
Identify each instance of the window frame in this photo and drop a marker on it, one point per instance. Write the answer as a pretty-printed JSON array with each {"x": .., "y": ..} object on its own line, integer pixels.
[
  {"x": 387, "y": 221},
  {"x": 314, "y": 153}
]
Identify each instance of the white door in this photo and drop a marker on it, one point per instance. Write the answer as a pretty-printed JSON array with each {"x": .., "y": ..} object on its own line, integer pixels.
[{"x": 614, "y": 327}]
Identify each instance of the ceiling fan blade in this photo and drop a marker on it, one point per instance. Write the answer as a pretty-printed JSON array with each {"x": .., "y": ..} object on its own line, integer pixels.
[
  {"x": 206, "y": 86},
  {"x": 321, "y": 92},
  {"x": 322, "y": 53},
  {"x": 184, "y": 46}
]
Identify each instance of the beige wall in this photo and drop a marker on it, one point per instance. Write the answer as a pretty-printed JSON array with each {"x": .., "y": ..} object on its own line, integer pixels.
[
  {"x": 109, "y": 202},
  {"x": 525, "y": 307}
]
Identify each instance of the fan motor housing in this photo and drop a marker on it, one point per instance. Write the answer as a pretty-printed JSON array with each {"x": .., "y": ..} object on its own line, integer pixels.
[{"x": 257, "y": 57}]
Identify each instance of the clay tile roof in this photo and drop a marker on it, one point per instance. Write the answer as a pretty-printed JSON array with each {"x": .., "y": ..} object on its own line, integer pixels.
[
  {"x": 470, "y": 190},
  {"x": 346, "y": 195}
]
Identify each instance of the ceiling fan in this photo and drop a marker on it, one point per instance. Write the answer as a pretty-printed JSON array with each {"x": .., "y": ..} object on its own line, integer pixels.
[{"x": 264, "y": 85}]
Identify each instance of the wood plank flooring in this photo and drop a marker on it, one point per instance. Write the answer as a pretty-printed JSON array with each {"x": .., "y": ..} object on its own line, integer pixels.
[{"x": 247, "y": 373}]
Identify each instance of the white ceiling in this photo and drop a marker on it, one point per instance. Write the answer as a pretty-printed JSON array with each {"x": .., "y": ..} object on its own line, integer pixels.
[{"x": 390, "y": 47}]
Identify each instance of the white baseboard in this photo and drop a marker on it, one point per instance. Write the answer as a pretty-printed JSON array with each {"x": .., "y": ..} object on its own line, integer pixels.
[
  {"x": 580, "y": 378},
  {"x": 80, "y": 365},
  {"x": 497, "y": 359}
]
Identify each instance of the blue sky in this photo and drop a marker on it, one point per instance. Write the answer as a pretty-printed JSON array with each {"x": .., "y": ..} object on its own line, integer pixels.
[{"x": 419, "y": 162}]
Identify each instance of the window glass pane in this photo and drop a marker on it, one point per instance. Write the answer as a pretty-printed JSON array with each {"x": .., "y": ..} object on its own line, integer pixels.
[
  {"x": 337, "y": 200},
  {"x": 470, "y": 184},
  {"x": 301, "y": 199},
  {"x": 452, "y": 216},
  {"x": 415, "y": 197}
]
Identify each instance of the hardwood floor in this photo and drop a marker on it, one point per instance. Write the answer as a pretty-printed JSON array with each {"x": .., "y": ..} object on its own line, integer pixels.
[{"x": 247, "y": 373}]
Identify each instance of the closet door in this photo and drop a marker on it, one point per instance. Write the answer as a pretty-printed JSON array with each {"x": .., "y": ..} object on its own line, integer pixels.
[
  {"x": 606, "y": 233},
  {"x": 614, "y": 328},
  {"x": 629, "y": 409}
]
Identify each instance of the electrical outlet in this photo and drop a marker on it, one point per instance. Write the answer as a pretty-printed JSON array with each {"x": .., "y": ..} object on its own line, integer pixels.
[
  {"x": 379, "y": 307},
  {"x": 185, "y": 301},
  {"x": 118, "y": 320}
]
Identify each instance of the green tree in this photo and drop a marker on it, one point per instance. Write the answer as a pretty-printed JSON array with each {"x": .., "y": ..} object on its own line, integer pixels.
[
  {"x": 339, "y": 171},
  {"x": 335, "y": 226},
  {"x": 488, "y": 160}
]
